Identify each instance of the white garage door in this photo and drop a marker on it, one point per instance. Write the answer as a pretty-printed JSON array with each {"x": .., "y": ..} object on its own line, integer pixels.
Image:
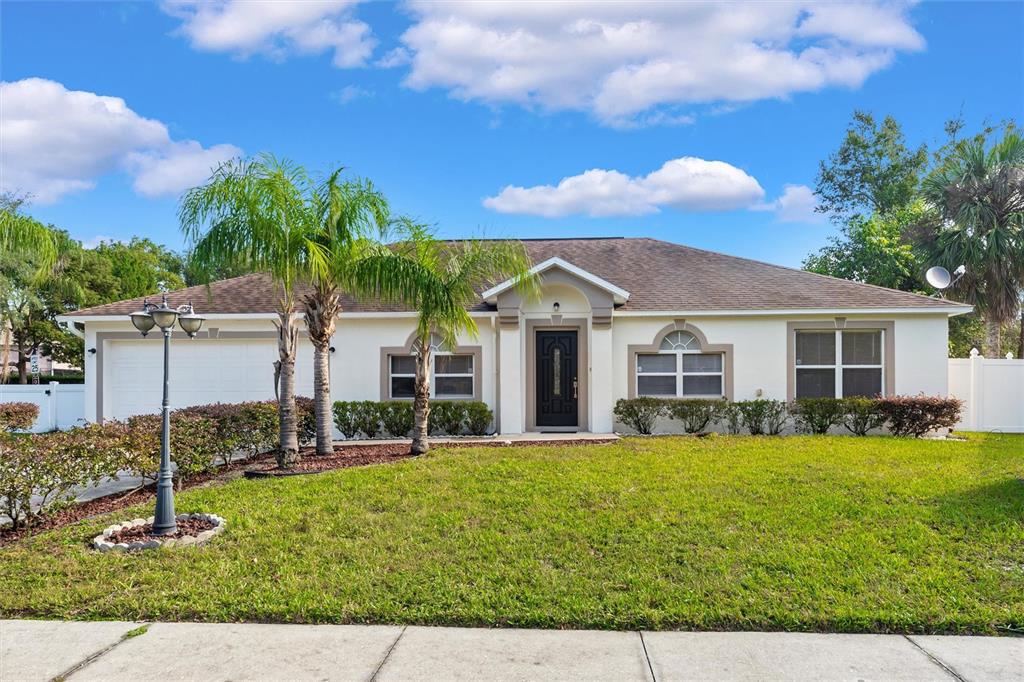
[{"x": 202, "y": 372}]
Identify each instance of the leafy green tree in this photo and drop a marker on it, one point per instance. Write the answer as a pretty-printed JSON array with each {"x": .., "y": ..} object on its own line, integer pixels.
[
  {"x": 872, "y": 250},
  {"x": 441, "y": 281},
  {"x": 977, "y": 197},
  {"x": 872, "y": 172},
  {"x": 142, "y": 267},
  {"x": 34, "y": 289}
]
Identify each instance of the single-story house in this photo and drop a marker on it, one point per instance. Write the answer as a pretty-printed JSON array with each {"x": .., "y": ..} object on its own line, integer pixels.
[{"x": 618, "y": 318}]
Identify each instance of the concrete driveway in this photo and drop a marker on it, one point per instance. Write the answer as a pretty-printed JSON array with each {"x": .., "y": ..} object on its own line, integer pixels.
[{"x": 47, "y": 650}]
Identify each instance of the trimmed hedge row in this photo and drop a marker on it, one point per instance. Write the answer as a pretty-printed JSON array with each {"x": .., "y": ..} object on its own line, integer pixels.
[
  {"x": 52, "y": 465},
  {"x": 18, "y": 416},
  {"x": 901, "y": 415},
  {"x": 395, "y": 418}
]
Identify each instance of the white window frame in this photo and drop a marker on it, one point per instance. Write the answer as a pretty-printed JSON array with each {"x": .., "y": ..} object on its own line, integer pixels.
[
  {"x": 679, "y": 374},
  {"x": 838, "y": 367},
  {"x": 433, "y": 376}
]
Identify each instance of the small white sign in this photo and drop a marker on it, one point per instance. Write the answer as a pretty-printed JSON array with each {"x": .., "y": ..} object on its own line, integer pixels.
[{"x": 33, "y": 364}]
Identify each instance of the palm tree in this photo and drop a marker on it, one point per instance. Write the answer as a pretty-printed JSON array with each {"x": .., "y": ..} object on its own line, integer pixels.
[
  {"x": 346, "y": 213},
  {"x": 978, "y": 197},
  {"x": 441, "y": 280},
  {"x": 263, "y": 214},
  {"x": 19, "y": 232}
]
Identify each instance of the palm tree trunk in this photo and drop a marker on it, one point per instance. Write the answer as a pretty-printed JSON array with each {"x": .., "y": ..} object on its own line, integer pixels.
[
  {"x": 421, "y": 400},
  {"x": 322, "y": 307},
  {"x": 994, "y": 341},
  {"x": 287, "y": 341},
  {"x": 322, "y": 397}
]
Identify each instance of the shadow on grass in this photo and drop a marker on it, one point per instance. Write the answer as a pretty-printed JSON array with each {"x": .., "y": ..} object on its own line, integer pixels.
[{"x": 990, "y": 504}]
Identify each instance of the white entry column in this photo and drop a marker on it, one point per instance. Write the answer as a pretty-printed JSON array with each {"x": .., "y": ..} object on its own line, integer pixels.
[
  {"x": 601, "y": 364},
  {"x": 510, "y": 378}
]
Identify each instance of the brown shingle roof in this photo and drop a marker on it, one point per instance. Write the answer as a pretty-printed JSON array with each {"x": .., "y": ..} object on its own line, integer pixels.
[{"x": 658, "y": 275}]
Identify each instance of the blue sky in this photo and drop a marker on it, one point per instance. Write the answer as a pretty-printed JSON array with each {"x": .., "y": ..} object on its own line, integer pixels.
[{"x": 693, "y": 119}]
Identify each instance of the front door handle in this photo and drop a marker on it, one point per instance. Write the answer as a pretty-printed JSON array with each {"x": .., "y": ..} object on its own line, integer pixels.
[{"x": 575, "y": 387}]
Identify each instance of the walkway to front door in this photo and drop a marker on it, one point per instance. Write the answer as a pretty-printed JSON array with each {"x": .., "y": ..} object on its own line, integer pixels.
[{"x": 557, "y": 383}]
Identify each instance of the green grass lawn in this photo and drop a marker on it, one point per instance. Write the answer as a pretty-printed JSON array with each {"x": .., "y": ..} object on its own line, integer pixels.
[{"x": 802, "y": 533}]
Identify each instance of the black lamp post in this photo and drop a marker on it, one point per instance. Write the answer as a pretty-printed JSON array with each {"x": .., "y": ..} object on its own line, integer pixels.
[{"x": 164, "y": 316}]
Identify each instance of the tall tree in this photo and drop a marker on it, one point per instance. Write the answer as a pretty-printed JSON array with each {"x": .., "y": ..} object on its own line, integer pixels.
[
  {"x": 977, "y": 194},
  {"x": 260, "y": 213},
  {"x": 348, "y": 214},
  {"x": 441, "y": 280},
  {"x": 873, "y": 171},
  {"x": 873, "y": 251}
]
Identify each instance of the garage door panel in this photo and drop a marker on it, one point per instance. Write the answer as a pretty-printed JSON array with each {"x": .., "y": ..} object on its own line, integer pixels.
[{"x": 202, "y": 372}]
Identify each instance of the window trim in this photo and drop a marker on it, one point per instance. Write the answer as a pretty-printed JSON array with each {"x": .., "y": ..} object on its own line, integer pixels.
[
  {"x": 680, "y": 373},
  {"x": 839, "y": 325},
  {"x": 386, "y": 352},
  {"x": 724, "y": 349}
]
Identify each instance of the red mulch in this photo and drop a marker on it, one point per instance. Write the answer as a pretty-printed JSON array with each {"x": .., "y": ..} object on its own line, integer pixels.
[
  {"x": 145, "y": 533},
  {"x": 343, "y": 457},
  {"x": 262, "y": 465}
]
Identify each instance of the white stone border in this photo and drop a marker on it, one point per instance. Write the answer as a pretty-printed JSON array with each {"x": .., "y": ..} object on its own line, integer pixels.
[{"x": 102, "y": 541}]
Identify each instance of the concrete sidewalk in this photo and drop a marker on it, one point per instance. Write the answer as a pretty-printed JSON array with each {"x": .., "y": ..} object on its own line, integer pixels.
[{"x": 45, "y": 650}]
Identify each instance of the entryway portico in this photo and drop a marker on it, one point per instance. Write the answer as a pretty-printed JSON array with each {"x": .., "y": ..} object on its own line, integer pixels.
[{"x": 555, "y": 353}]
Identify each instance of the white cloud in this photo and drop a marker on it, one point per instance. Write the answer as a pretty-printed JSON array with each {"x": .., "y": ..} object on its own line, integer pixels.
[
  {"x": 687, "y": 183},
  {"x": 621, "y": 60},
  {"x": 795, "y": 205},
  {"x": 54, "y": 141},
  {"x": 177, "y": 167},
  {"x": 350, "y": 93},
  {"x": 276, "y": 28}
]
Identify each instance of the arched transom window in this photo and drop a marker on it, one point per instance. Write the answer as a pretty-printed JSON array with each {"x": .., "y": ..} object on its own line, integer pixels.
[
  {"x": 680, "y": 369},
  {"x": 453, "y": 374}
]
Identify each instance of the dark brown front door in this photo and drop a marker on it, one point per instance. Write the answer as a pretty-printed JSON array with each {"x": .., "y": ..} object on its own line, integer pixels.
[{"x": 557, "y": 379}]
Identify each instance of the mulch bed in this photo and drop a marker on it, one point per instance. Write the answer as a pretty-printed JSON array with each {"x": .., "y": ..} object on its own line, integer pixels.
[
  {"x": 343, "y": 457},
  {"x": 260, "y": 466},
  {"x": 145, "y": 533}
]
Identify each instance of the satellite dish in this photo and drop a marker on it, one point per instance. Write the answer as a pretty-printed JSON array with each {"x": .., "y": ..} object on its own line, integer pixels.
[{"x": 938, "y": 277}]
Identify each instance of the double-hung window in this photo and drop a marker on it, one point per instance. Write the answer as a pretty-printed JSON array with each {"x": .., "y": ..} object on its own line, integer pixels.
[
  {"x": 679, "y": 369},
  {"x": 839, "y": 363},
  {"x": 452, "y": 374}
]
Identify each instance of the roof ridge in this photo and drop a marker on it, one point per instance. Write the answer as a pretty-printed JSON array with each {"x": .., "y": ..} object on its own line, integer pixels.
[{"x": 799, "y": 270}]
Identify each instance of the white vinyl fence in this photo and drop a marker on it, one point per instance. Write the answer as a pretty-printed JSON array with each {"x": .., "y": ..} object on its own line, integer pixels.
[
  {"x": 61, "y": 406},
  {"x": 993, "y": 393}
]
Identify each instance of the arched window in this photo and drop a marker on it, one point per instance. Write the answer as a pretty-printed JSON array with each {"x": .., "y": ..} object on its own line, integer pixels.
[
  {"x": 680, "y": 369},
  {"x": 454, "y": 376}
]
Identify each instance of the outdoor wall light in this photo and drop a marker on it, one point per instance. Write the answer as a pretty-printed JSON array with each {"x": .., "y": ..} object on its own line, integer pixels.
[
  {"x": 92, "y": 351},
  {"x": 557, "y": 306},
  {"x": 332, "y": 349},
  {"x": 164, "y": 316}
]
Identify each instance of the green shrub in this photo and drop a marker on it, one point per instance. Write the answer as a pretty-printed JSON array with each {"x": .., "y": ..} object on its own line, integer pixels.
[
  {"x": 694, "y": 413},
  {"x": 18, "y": 416},
  {"x": 345, "y": 418},
  {"x": 860, "y": 415},
  {"x": 194, "y": 445},
  {"x": 366, "y": 416},
  {"x": 639, "y": 414},
  {"x": 306, "y": 419},
  {"x": 918, "y": 415},
  {"x": 397, "y": 417},
  {"x": 447, "y": 417},
  {"x": 51, "y": 466},
  {"x": 478, "y": 417},
  {"x": 762, "y": 416},
  {"x": 817, "y": 415},
  {"x": 731, "y": 417}
]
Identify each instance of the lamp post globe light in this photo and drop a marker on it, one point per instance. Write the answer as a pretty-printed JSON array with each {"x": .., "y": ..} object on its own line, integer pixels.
[{"x": 164, "y": 317}]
